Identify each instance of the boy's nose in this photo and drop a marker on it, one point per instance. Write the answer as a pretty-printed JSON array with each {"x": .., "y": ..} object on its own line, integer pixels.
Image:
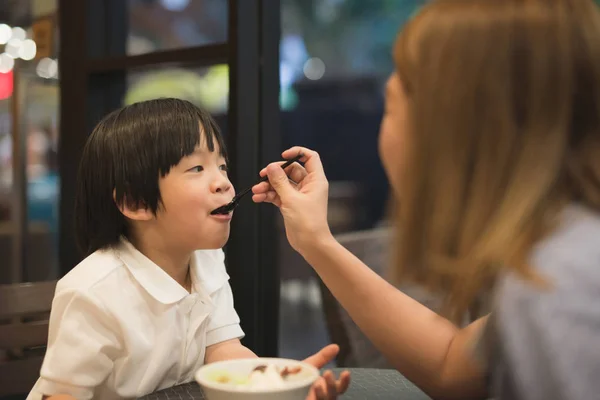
[{"x": 221, "y": 184}]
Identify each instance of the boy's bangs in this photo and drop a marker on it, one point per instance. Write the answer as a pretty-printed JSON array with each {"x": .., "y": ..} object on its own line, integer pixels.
[
  {"x": 179, "y": 134},
  {"x": 152, "y": 137},
  {"x": 124, "y": 157}
]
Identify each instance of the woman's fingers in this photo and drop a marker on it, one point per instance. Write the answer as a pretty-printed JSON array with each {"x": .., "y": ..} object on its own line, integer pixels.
[
  {"x": 331, "y": 385},
  {"x": 268, "y": 197},
  {"x": 343, "y": 382},
  {"x": 296, "y": 172},
  {"x": 311, "y": 159},
  {"x": 261, "y": 188}
]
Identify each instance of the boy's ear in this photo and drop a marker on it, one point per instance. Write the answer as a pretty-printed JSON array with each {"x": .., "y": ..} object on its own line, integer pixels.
[{"x": 132, "y": 211}]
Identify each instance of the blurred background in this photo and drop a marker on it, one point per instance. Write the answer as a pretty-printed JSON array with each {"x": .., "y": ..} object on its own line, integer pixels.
[{"x": 274, "y": 73}]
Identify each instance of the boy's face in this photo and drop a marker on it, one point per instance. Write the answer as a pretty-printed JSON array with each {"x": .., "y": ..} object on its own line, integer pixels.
[{"x": 191, "y": 190}]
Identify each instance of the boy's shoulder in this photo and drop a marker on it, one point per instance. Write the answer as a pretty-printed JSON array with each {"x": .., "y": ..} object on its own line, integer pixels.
[
  {"x": 209, "y": 268},
  {"x": 91, "y": 271}
]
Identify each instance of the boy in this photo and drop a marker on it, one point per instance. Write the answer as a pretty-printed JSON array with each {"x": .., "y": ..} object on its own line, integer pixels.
[{"x": 151, "y": 303}]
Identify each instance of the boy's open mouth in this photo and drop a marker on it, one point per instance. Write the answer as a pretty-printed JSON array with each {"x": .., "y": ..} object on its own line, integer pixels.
[{"x": 223, "y": 210}]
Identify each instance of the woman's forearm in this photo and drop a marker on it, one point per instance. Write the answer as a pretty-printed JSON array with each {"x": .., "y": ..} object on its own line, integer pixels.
[{"x": 426, "y": 348}]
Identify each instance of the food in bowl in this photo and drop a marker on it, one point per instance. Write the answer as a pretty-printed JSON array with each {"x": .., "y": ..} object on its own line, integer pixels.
[
  {"x": 262, "y": 377},
  {"x": 258, "y": 378}
]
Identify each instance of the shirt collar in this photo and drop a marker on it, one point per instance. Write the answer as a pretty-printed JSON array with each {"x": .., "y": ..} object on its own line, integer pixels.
[
  {"x": 160, "y": 285},
  {"x": 208, "y": 270}
]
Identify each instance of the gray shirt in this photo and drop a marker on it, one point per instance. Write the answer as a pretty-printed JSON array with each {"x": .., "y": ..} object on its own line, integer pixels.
[{"x": 545, "y": 344}]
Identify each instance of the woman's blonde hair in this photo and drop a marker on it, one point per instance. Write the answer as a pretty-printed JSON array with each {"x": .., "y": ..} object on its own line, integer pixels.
[{"x": 503, "y": 110}]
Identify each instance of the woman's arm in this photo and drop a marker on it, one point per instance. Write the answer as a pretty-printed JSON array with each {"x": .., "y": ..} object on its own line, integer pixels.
[{"x": 428, "y": 349}]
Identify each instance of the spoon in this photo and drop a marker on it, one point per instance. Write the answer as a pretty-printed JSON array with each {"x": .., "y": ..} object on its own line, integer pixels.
[{"x": 227, "y": 208}]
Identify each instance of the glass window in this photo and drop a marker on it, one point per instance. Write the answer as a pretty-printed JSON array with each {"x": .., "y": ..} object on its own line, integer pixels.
[
  {"x": 171, "y": 24},
  {"x": 207, "y": 87},
  {"x": 335, "y": 57},
  {"x": 29, "y": 105},
  {"x": 41, "y": 108}
]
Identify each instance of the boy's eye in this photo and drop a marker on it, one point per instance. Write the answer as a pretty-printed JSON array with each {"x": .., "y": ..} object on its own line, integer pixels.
[
  {"x": 197, "y": 168},
  {"x": 224, "y": 167}
]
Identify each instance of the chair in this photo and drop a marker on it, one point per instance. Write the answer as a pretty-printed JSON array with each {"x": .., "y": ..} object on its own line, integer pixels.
[
  {"x": 40, "y": 263},
  {"x": 24, "y": 313},
  {"x": 356, "y": 350}
]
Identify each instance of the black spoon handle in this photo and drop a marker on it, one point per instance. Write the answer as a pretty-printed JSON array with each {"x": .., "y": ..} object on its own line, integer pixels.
[
  {"x": 266, "y": 178},
  {"x": 241, "y": 194},
  {"x": 283, "y": 166},
  {"x": 236, "y": 199}
]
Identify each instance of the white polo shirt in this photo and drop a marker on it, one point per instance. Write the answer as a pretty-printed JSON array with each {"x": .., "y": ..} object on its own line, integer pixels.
[{"x": 121, "y": 327}]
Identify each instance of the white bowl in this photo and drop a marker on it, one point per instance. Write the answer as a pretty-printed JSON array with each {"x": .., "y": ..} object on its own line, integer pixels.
[{"x": 295, "y": 389}]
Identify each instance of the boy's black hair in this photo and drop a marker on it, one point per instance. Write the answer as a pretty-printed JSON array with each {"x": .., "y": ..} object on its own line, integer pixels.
[{"x": 125, "y": 155}]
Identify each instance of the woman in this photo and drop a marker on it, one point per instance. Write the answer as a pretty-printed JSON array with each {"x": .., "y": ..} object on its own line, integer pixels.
[{"x": 491, "y": 141}]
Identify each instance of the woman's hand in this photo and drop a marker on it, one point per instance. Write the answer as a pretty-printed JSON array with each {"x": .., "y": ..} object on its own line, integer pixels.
[
  {"x": 302, "y": 202},
  {"x": 327, "y": 387}
]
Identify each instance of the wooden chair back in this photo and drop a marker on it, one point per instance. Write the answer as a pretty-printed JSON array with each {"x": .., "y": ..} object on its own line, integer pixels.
[{"x": 24, "y": 314}]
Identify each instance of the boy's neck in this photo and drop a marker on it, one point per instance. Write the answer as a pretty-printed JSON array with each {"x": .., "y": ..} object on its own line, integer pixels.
[{"x": 174, "y": 264}]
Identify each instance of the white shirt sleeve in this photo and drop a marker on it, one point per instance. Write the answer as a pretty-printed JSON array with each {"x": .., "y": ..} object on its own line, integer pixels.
[
  {"x": 82, "y": 345},
  {"x": 224, "y": 321}
]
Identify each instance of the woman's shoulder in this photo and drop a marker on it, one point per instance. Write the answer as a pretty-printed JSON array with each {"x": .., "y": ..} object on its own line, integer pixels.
[
  {"x": 572, "y": 251},
  {"x": 568, "y": 260},
  {"x": 550, "y": 334}
]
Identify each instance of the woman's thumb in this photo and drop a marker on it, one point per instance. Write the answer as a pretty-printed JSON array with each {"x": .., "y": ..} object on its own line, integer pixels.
[{"x": 278, "y": 180}]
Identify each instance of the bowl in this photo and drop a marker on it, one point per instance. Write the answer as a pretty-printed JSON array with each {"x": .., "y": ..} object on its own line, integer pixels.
[{"x": 296, "y": 387}]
